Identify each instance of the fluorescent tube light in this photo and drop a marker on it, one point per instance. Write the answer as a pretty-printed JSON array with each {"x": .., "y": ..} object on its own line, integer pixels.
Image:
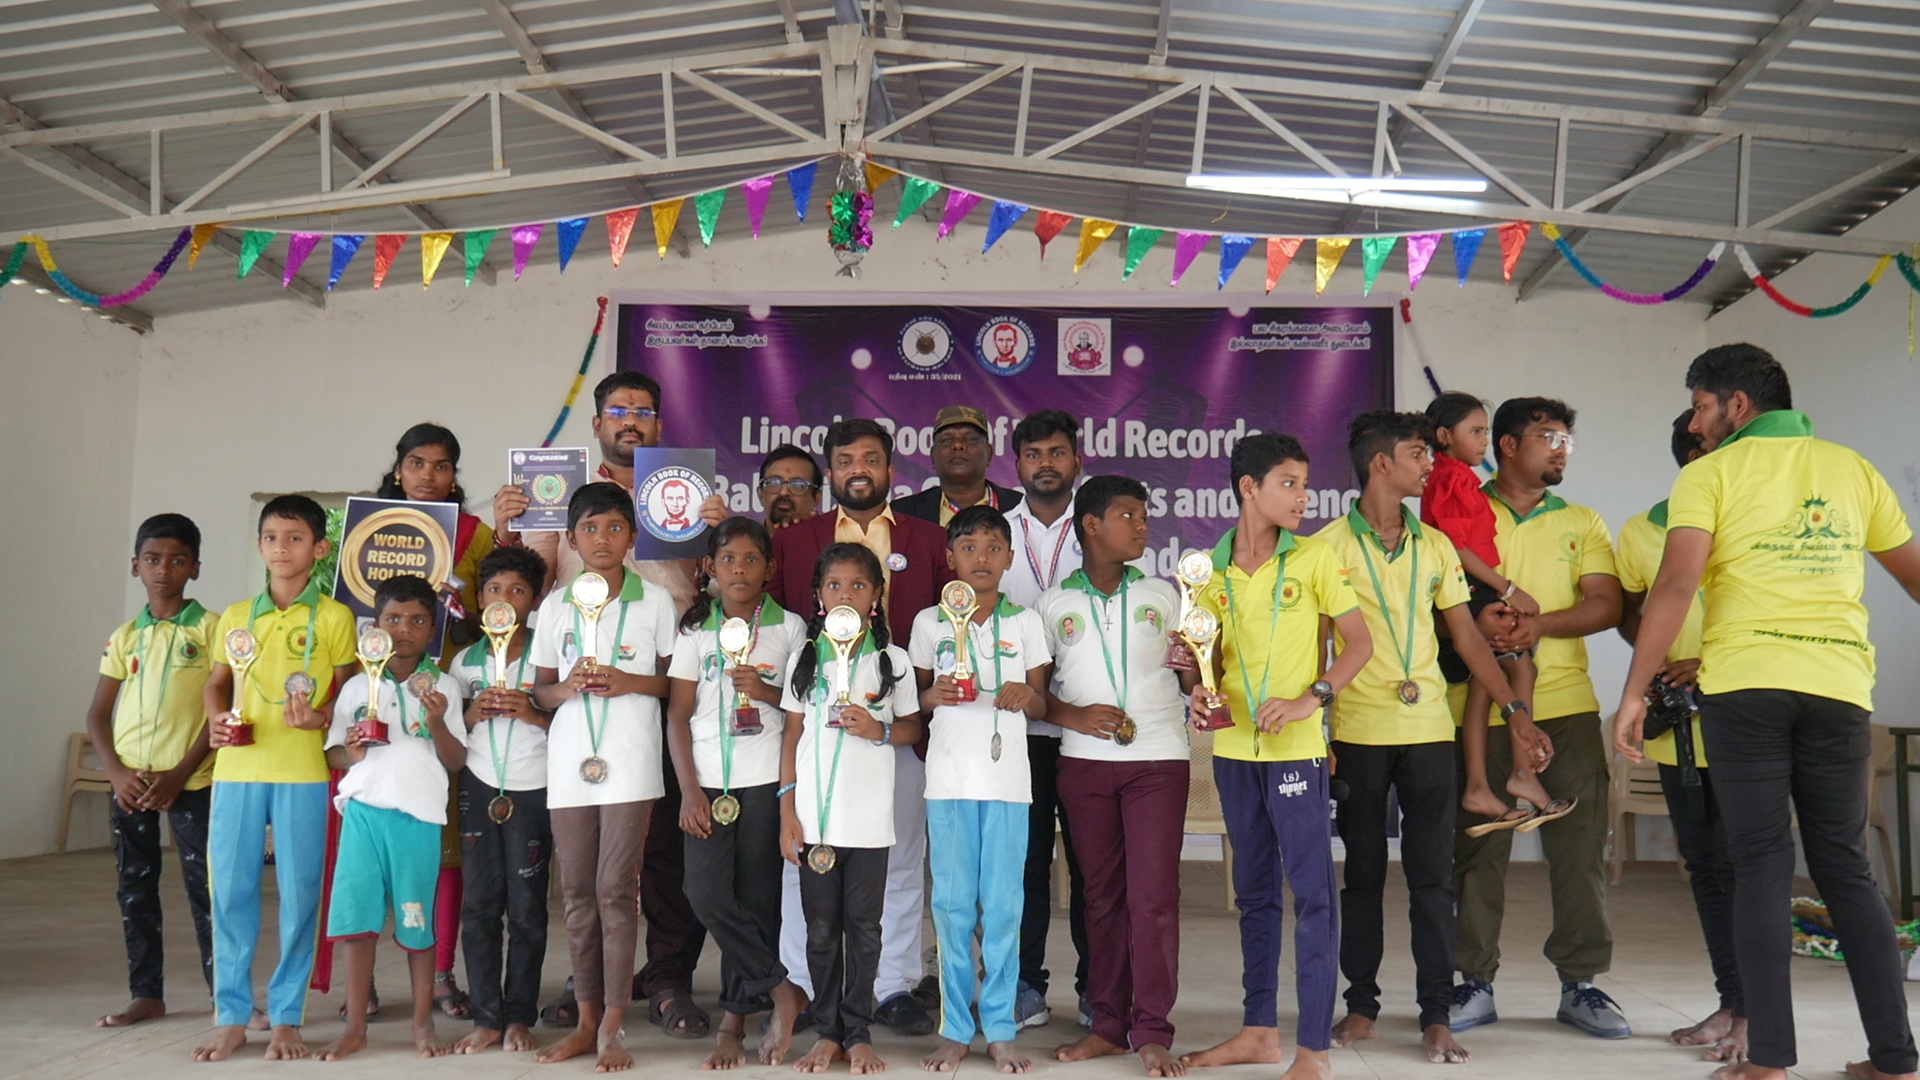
[{"x": 1322, "y": 186}]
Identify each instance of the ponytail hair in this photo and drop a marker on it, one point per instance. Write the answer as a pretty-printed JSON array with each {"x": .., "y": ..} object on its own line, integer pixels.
[
  {"x": 718, "y": 537},
  {"x": 807, "y": 666}
]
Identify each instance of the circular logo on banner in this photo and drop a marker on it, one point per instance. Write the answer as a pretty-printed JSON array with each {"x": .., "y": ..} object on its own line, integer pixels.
[
  {"x": 1004, "y": 345},
  {"x": 549, "y": 489},
  {"x": 519, "y": 457},
  {"x": 926, "y": 343},
  {"x": 1083, "y": 345},
  {"x": 669, "y": 502},
  {"x": 395, "y": 540}
]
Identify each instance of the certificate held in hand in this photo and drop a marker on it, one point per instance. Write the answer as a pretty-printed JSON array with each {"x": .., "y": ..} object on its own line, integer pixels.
[{"x": 549, "y": 476}]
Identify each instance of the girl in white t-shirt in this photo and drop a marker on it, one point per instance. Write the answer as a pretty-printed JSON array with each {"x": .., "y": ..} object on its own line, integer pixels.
[
  {"x": 724, "y": 730},
  {"x": 836, "y": 799}
]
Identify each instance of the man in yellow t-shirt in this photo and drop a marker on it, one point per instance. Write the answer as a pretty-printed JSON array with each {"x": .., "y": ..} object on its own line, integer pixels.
[
  {"x": 1778, "y": 525},
  {"x": 1698, "y": 829}
]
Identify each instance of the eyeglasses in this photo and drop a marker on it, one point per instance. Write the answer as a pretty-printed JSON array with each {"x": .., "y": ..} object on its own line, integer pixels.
[
  {"x": 1557, "y": 440},
  {"x": 771, "y": 484},
  {"x": 621, "y": 412}
]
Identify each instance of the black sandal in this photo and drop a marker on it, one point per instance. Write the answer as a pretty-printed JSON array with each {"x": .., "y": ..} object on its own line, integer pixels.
[
  {"x": 676, "y": 1013},
  {"x": 565, "y": 1010}
]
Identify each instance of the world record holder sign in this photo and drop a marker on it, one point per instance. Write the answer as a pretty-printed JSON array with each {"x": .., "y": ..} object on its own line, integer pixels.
[{"x": 383, "y": 538}]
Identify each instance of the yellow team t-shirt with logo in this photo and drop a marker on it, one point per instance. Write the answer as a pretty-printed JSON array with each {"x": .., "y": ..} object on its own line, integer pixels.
[
  {"x": 163, "y": 665},
  {"x": 1643, "y": 541},
  {"x": 1371, "y": 710},
  {"x": 313, "y": 634},
  {"x": 1270, "y": 640},
  {"x": 1792, "y": 519}
]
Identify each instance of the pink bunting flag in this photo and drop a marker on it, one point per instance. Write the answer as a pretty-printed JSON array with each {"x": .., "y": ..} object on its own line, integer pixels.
[
  {"x": 299, "y": 246},
  {"x": 755, "y": 192},
  {"x": 1186, "y": 248},
  {"x": 524, "y": 237},
  {"x": 619, "y": 230},
  {"x": 958, "y": 204},
  {"x": 1420, "y": 251}
]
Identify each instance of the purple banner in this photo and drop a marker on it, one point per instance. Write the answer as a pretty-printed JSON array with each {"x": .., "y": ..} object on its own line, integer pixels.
[{"x": 1162, "y": 393}]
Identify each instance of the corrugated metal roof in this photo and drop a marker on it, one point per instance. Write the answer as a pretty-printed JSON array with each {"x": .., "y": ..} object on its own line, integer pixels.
[{"x": 1851, "y": 67}]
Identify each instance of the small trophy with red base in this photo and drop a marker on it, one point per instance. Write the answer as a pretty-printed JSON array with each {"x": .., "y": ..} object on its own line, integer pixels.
[
  {"x": 844, "y": 631},
  {"x": 374, "y": 649},
  {"x": 1200, "y": 630},
  {"x": 736, "y": 644},
  {"x": 1192, "y": 572},
  {"x": 958, "y": 601},
  {"x": 242, "y": 651}
]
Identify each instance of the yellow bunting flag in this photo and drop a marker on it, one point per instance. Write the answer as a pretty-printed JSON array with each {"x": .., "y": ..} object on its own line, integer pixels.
[
  {"x": 433, "y": 246},
  {"x": 877, "y": 175},
  {"x": 1326, "y": 256},
  {"x": 1093, "y": 233},
  {"x": 201, "y": 234},
  {"x": 619, "y": 230},
  {"x": 664, "y": 216}
]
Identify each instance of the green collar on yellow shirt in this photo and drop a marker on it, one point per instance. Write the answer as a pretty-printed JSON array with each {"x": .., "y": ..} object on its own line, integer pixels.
[
  {"x": 1776, "y": 424},
  {"x": 1657, "y": 516},
  {"x": 186, "y": 616},
  {"x": 1363, "y": 528},
  {"x": 263, "y": 603},
  {"x": 1548, "y": 503},
  {"x": 1223, "y": 551}
]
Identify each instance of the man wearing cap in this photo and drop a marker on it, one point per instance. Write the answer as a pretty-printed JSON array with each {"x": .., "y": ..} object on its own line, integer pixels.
[{"x": 962, "y": 450}]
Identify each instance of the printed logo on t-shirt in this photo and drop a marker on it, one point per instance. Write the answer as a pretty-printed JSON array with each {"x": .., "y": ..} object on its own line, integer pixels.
[
  {"x": 1071, "y": 629},
  {"x": 297, "y": 639},
  {"x": 626, "y": 651},
  {"x": 943, "y": 656},
  {"x": 189, "y": 652},
  {"x": 1570, "y": 548},
  {"x": 1291, "y": 784},
  {"x": 1433, "y": 586},
  {"x": 1152, "y": 616},
  {"x": 710, "y": 667},
  {"x": 1289, "y": 594},
  {"x": 570, "y": 648}
]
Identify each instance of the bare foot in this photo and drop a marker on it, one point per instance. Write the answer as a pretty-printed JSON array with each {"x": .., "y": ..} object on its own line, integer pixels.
[
  {"x": 946, "y": 1058},
  {"x": 788, "y": 1004},
  {"x": 581, "y": 1040},
  {"x": 613, "y": 1049},
  {"x": 477, "y": 1040},
  {"x": 137, "y": 1010},
  {"x": 428, "y": 1041},
  {"x": 1250, "y": 1046},
  {"x": 1708, "y": 1031},
  {"x": 285, "y": 1044},
  {"x": 1309, "y": 1065},
  {"x": 519, "y": 1039},
  {"x": 1862, "y": 1070},
  {"x": 1527, "y": 786},
  {"x": 1160, "y": 1061},
  {"x": 1747, "y": 1070},
  {"x": 1732, "y": 1047},
  {"x": 861, "y": 1060},
  {"x": 1008, "y": 1058},
  {"x": 1087, "y": 1048},
  {"x": 257, "y": 1021},
  {"x": 1351, "y": 1029},
  {"x": 224, "y": 1042},
  {"x": 351, "y": 1041},
  {"x": 824, "y": 1053},
  {"x": 728, "y": 1053},
  {"x": 1438, "y": 1042},
  {"x": 1482, "y": 801}
]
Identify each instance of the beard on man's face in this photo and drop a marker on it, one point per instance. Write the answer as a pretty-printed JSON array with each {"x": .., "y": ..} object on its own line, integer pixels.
[{"x": 874, "y": 496}]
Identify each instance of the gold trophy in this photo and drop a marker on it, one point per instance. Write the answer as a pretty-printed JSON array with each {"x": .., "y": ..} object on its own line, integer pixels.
[
  {"x": 844, "y": 630},
  {"x": 1200, "y": 630},
  {"x": 374, "y": 649},
  {"x": 589, "y": 596},
  {"x": 736, "y": 642},
  {"x": 242, "y": 651},
  {"x": 958, "y": 601},
  {"x": 498, "y": 621},
  {"x": 1193, "y": 572}
]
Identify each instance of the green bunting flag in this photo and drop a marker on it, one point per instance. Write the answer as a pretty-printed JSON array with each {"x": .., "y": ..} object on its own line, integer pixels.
[
  {"x": 253, "y": 243},
  {"x": 1373, "y": 255},
  {"x": 707, "y": 207},
  {"x": 1139, "y": 242},
  {"x": 917, "y": 192},
  {"x": 476, "y": 249}
]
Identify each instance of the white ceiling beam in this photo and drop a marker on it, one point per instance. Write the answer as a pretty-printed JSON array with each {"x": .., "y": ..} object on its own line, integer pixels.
[
  {"x": 788, "y": 23},
  {"x": 942, "y": 102}
]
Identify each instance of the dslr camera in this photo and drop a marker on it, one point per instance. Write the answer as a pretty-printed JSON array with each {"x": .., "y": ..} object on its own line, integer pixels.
[{"x": 1667, "y": 707}]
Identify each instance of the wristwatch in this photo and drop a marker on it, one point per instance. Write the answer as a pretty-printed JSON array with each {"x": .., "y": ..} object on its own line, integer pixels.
[
  {"x": 1322, "y": 690},
  {"x": 1515, "y": 706}
]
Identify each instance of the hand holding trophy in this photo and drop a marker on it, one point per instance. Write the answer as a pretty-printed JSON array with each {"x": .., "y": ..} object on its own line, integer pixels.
[
  {"x": 1201, "y": 630},
  {"x": 958, "y": 602},
  {"x": 374, "y": 649},
  {"x": 844, "y": 631},
  {"x": 736, "y": 645},
  {"x": 242, "y": 651}
]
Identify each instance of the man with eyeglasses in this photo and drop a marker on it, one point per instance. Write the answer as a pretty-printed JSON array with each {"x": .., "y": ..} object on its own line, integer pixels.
[
  {"x": 962, "y": 450},
  {"x": 1562, "y": 555},
  {"x": 789, "y": 486}
]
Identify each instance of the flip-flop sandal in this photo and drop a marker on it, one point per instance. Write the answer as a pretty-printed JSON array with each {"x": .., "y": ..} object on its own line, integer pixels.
[
  {"x": 1553, "y": 811},
  {"x": 565, "y": 1011},
  {"x": 1504, "y": 821},
  {"x": 373, "y": 1009},
  {"x": 676, "y": 1013}
]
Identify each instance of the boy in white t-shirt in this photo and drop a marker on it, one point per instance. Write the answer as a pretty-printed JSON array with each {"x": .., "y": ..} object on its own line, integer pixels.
[
  {"x": 836, "y": 800},
  {"x": 603, "y": 761},
  {"x": 978, "y": 785},
  {"x": 506, "y": 838},
  {"x": 1123, "y": 771},
  {"x": 393, "y": 804}
]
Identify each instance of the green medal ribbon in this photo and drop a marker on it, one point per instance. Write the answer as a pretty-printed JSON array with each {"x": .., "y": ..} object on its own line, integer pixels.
[
  {"x": 1120, "y": 686},
  {"x": 1403, "y": 648},
  {"x": 400, "y": 694},
  {"x": 311, "y": 597},
  {"x": 820, "y": 718},
  {"x": 499, "y": 755},
  {"x": 619, "y": 631},
  {"x": 999, "y": 680},
  {"x": 1240, "y": 655}
]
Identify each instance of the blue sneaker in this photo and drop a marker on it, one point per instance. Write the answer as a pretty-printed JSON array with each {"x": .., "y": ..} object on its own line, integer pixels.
[
  {"x": 1472, "y": 1007},
  {"x": 1587, "y": 1007},
  {"x": 1086, "y": 1013},
  {"x": 1030, "y": 1008}
]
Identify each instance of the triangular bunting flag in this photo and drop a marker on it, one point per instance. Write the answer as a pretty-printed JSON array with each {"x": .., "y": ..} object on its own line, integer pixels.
[
  {"x": 959, "y": 204},
  {"x": 433, "y": 247},
  {"x": 1000, "y": 220},
  {"x": 344, "y": 248},
  {"x": 476, "y": 250},
  {"x": 1139, "y": 242},
  {"x": 755, "y": 192},
  {"x": 1186, "y": 248},
  {"x": 201, "y": 234},
  {"x": 252, "y": 243},
  {"x": 1093, "y": 233},
  {"x": 568, "y": 233},
  {"x": 1279, "y": 253},
  {"x": 299, "y": 246},
  {"x": 706, "y": 207},
  {"x": 1373, "y": 255},
  {"x": 1466, "y": 245},
  {"x": 524, "y": 237},
  {"x": 385, "y": 247},
  {"x": 878, "y": 175},
  {"x": 665, "y": 215},
  {"x": 619, "y": 231},
  {"x": 1326, "y": 258},
  {"x": 800, "y": 184},
  {"x": 1513, "y": 240},
  {"x": 1420, "y": 251},
  {"x": 1048, "y": 225},
  {"x": 913, "y": 197},
  {"x": 1232, "y": 250}
]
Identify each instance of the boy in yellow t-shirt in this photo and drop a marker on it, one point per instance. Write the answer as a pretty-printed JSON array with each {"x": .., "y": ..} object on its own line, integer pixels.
[
  {"x": 149, "y": 729},
  {"x": 303, "y": 650},
  {"x": 1270, "y": 589}
]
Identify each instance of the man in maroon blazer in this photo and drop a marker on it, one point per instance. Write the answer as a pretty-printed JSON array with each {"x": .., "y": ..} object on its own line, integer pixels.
[{"x": 913, "y": 556}]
